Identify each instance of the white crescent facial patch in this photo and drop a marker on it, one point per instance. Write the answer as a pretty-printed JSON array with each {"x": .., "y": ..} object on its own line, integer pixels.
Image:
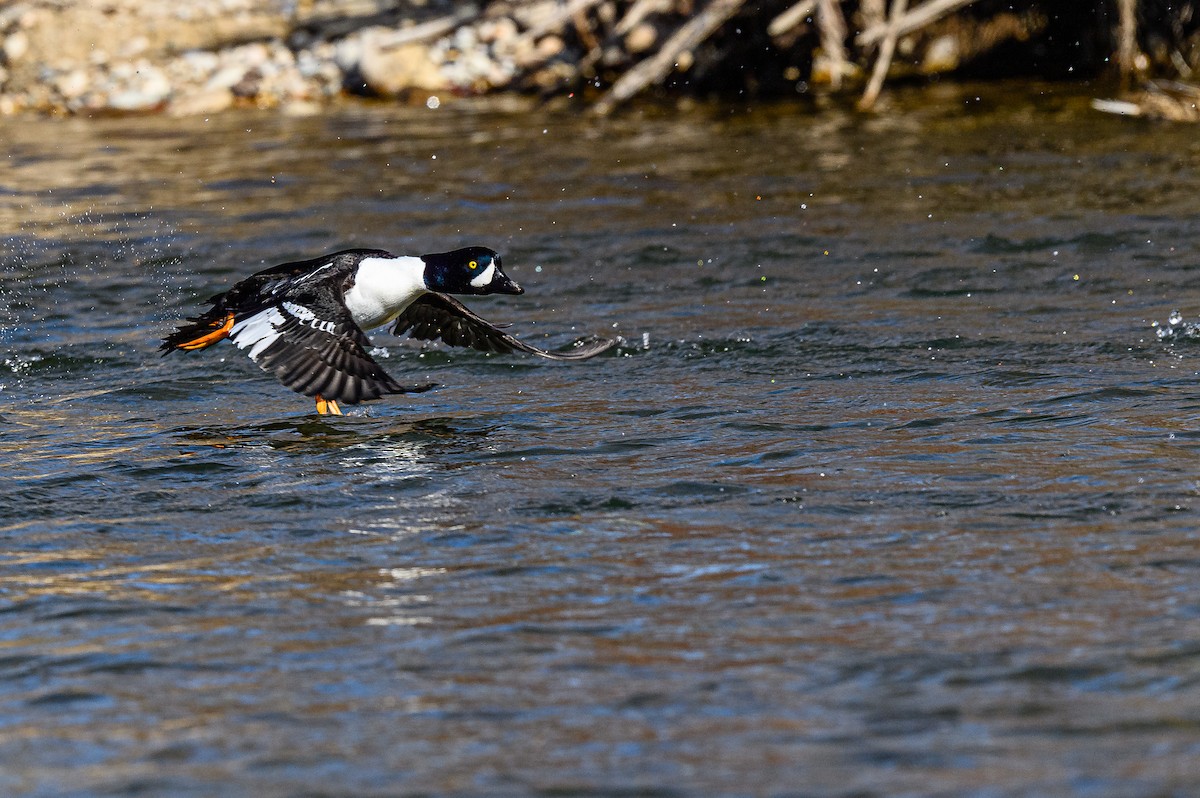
[{"x": 484, "y": 277}]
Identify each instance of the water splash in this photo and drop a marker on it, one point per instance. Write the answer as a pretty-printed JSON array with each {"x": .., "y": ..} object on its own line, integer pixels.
[{"x": 1176, "y": 328}]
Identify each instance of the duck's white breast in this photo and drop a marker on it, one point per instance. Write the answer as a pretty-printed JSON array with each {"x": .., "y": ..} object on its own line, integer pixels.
[{"x": 383, "y": 288}]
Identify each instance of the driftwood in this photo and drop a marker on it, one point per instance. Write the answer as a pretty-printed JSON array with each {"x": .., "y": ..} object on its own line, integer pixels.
[
  {"x": 791, "y": 18},
  {"x": 906, "y": 23},
  {"x": 428, "y": 31},
  {"x": 638, "y": 12},
  {"x": 601, "y": 51},
  {"x": 844, "y": 37},
  {"x": 632, "y": 45},
  {"x": 1127, "y": 39},
  {"x": 886, "y": 50},
  {"x": 832, "y": 26},
  {"x": 659, "y": 65}
]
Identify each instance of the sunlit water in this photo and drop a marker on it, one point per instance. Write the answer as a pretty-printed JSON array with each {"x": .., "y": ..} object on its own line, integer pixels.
[{"x": 892, "y": 487}]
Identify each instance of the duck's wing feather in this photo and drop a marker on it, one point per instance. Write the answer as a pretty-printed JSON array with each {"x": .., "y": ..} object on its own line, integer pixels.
[
  {"x": 312, "y": 345},
  {"x": 436, "y": 316}
]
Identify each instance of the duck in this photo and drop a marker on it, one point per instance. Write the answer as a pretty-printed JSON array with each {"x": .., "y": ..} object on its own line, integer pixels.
[{"x": 305, "y": 321}]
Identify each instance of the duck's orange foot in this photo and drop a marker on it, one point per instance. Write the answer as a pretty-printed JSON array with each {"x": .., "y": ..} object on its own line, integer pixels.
[
  {"x": 216, "y": 331},
  {"x": 328, "y": 407}
]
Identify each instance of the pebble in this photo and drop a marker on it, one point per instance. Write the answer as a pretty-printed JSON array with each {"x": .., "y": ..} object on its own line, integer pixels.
[
  {"x": 392, "y": 71},
  {"x": 202, "y": 102},
  {"x": 15, "y": 46},
  {"x": 641, "y": 38}
]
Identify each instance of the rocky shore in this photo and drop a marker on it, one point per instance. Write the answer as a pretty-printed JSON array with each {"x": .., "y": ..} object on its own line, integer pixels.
[
  {"x": 182, "y": 58},
  {"x": 93, "y": 56}
]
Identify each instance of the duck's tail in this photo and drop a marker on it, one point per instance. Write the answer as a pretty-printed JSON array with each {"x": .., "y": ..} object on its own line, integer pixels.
[{"x": 202, "y": 332}]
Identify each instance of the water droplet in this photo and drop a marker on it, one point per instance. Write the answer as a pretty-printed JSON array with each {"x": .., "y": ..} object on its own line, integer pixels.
[{"x": 1175, "y": 318}]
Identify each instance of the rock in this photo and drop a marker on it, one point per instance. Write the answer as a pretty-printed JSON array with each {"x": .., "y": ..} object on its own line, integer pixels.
[
  {"x": 201, "y": 61},
  {"x": 227, "y": 77},
  {"x": 72, "y": 85},
  {"x": 301, "y": 108},
  {"x": 201, "y": 103},
  {"x": 393, "y": 71},
  {"x": 249, "y": 85},
  {"x": 145, "y": 89},
  {"x": 16, "y": 45},
  {"x": 941, "y": 55},
  {"x": 502, "y": 29},
  {"x": 641, "y": 38},
  {"x": 348, "y": 54},
  {"x": 549, "y": 46}
]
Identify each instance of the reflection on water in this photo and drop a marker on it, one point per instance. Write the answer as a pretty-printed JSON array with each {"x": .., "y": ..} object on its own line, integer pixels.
[{"x": 890, "y": 490}]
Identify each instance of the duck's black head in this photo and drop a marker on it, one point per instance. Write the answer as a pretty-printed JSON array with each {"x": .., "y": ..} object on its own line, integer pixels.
[{"x": 472, "y": 270}]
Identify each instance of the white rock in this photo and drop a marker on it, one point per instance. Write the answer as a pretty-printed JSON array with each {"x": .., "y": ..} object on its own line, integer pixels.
[
  {"x": 389, "y": 72},
  {"x": 942, "y": 55},
  {"x": 202, "y": 102},
  {"x": 145, "y": 89},
  {"x": 349, "y": 53},
  {"x": 73, "y": 84},
  {"x": 498, "y": 30},
  {"x": 15, "y": 46},
  {"x": 227, "y": 77},
  {"x": 201, "y": 62},
  {"x": 641, "y": 38}
]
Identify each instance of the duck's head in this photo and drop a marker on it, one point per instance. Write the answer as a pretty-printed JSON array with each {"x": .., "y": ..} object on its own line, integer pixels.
[{"x": 471, "y": 270}]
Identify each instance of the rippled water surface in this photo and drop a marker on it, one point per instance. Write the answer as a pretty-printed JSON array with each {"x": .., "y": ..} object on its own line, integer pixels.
[{"x": 890, "y": 489}]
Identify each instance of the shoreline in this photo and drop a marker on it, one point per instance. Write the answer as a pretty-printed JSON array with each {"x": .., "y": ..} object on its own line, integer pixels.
[{"x": 88, "y": 57}]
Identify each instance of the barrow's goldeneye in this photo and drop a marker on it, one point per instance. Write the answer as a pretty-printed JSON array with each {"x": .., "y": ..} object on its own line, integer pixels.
[{"x": 304, "y": 321}]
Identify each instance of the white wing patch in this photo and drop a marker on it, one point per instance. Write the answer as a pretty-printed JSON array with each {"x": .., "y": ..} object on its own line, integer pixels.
[
  {"x": 307, "y": 317},
  {"x": 485, "y": 276},
  {"x": 314, "y": 273},
  {"x": 262, "y": 329},
  {"x": 258, "y": 331}
]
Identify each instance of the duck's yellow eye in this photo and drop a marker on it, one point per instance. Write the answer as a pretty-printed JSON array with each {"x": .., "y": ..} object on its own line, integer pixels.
[{"x": 473, "y": 264}]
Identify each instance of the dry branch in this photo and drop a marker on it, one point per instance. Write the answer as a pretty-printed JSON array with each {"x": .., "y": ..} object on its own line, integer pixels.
[
  {"x": 832, "y": 25},
  {"x": 559, "y": 18},
  {"x": 1127, "y": 39},
  {"x": 872, "y": 12},
  {"x": 659, "y": 65},
  {"x": 886, "y": 50},
  {"x": 427, "y": 31},
  {"x": 791, "y": 18},
  {"x": 918, "y": 18},
  {"x": 638, "y": 12}
]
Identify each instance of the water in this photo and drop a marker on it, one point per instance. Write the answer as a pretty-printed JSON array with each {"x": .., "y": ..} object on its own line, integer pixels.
[{"x": 891, "y": 488}]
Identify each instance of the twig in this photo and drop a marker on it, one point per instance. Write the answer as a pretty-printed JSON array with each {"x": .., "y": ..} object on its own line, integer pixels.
[
  {"x": 873, "y": 12},
  {"x": 1127, "y": 40},
  {"x": 833, "y": 39},
  {"x": 919, "y": 17},
  {"x": 657, "y": 66},
  {"x": 791, "y": 18},
  {"x": 432, "y": 29},
  {"x": 886, "y": 50},
  {"x": 639, "y": 11},
  {"x": 584, "y": 31},
  {"x": 559, "y": 18}
]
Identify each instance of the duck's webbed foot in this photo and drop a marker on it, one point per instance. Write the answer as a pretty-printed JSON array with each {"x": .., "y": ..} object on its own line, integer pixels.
[{"x": 328, "y": 407}]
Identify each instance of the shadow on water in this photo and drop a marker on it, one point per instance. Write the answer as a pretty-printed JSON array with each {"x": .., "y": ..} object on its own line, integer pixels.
[{"x": 890, "y": 488}]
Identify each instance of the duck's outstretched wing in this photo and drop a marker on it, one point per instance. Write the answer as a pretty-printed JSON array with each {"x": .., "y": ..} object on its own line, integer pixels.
[
  {"x": 437, "y": 316},
  {"x": 313, "y": 346}
]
